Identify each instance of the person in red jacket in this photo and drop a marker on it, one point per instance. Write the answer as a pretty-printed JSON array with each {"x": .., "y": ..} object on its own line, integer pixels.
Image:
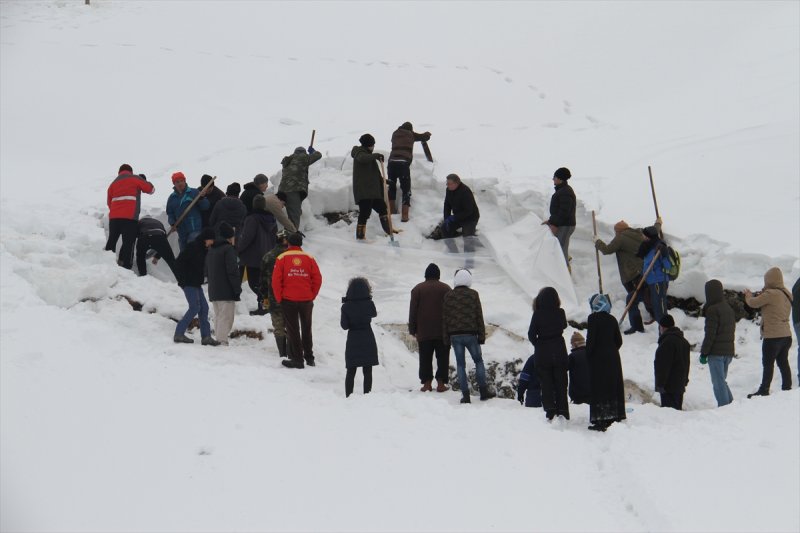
[
  {"x": 296, "y": 281},
  {"x": 124, "y": 203}
]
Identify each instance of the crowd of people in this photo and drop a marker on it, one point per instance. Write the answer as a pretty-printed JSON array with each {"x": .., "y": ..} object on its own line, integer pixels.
[{"x": 253, "y": 235}]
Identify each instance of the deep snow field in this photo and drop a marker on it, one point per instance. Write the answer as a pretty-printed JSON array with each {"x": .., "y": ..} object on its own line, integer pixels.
[{"x": 107, "y": 425}]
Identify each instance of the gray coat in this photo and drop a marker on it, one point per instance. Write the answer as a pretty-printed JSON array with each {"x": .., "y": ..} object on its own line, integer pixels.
[{"x": 720, "y": 328}]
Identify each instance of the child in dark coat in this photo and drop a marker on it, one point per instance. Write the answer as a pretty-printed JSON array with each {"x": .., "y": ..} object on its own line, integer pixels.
[
  {"x": 358, "y": 310},
  {"x": 580, "y": 388},
  {"x": 529, "y": 382}
]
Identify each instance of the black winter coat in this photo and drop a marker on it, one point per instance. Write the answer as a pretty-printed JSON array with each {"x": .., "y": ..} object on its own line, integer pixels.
[
  {"x": 231, "y": 210},
  {"x": 562, "y": 206},
  {"x": 358, "y": 310},
  {"x": 259, "y": 234},
  {"x": 546, "y": 331},
  {"x": 224, "y": 280},
  {"x": 150, "y": 227},
  {"x": 213, "y": 196},
  {"x": 367, "y": 179},
  {"x": 190, "y": 264},
  {"x": 672, "y": 362},
  {"x": 250, "y": 191},
  {"x": 580, "y": 386},
  {"x": 603, "y": 341},
  {"x": 529, "y": 389},
  {"x": 461, "y": 203}
]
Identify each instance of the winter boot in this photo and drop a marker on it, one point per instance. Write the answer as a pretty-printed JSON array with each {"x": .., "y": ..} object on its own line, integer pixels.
[
  {"x": 393, "y": 206},
  {"x": 759, "y": 392},
  {"x": 209, "y": 341},
  {"x": 441, "y": 386},
  {"x": 426, "y": 386},
  {"x": 182, "y": 338},
  {"x": 385, "y": 224},
  {"x": 404, "y": 216},
  {"x": 465, "y": 397},
  {"x": 293, "y": 363},
  {"x": 310, "y": 361},
  {"x": 361, "y": 232},
  {"x": 486, "y": 394},
  {"x": 281, "y": 343}
]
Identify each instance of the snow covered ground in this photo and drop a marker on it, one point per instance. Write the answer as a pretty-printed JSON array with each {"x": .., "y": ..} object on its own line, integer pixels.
[{"x": 106, "y": 425}]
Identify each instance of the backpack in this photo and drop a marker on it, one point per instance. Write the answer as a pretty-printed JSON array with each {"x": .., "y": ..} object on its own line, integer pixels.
[{"x": 674, "y": 269}]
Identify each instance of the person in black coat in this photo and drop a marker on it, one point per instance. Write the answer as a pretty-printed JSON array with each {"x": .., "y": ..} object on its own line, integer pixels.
[
  {"x": 529, "y": 390},
  {"x": 153, "y": 236},
  {"x": 460, "y": 209},
  {"x": 546, "y": 334},
  {"x": 229, "y": 209},
  {"x": 190, "y": 272},
  {"x": 259, "y": 235},
  {"x": 358, "y": 310},
  {"x": 562, "y": 210},
  {"x": 580, "y": 388},
  {"x": 603, "y": 341},
  {"x": 671, "y": 364},
  {"x": 214, "y": 194},
  {"x": 224, "y": 282}
]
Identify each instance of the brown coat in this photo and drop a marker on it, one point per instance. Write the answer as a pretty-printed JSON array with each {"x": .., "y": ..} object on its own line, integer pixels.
[
  {"x": 775, "y": 303},
  {"x": 425, "y": 310},
  {"x": 403, "y": 143}
]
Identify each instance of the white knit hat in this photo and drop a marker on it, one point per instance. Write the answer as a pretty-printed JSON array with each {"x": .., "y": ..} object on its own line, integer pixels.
[{"x": 462, "y": 278}]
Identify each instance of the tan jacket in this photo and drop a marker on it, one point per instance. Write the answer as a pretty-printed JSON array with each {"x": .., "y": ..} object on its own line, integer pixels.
[{"x": 775, "y": 303}]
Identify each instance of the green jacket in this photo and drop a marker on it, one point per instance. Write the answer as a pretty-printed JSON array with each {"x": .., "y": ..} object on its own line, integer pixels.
[
  {"x": 367, "y": 180},
  {"x": 720, "y": 329},
  {"x": 295, "y": 171},
  {"x": 626, "y": 245},
  {"x": 462, "y": 314}
]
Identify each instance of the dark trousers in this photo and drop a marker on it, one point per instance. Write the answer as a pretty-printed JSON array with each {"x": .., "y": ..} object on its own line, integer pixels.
[
  {"x": 350, "y": 379},
  {"x": 467, "y": 229},
  {"x": 128, "y": 229},
  {"x": 400, "y": 170},
  {"x": 254, "y": 282},
  {"x": 163, "y": 250},
  {"x": 426, "y": 351},
  {"x": 672, "y": 399},
  {"x": 297, "y": 317},
  {"x": 776, "y": 351},
  {"x": 553, "y": 378},
  {"x": 365, "y": 208}
]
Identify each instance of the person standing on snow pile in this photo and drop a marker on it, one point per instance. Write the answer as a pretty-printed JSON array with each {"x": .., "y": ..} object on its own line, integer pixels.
[
  {"x": 671, "y": 364},
  {"x": 361, "y": 351},
  {"x": 657, "y": 279},
  {"x": 258, "y": 186},
  {"x": 275, "y": 310},
  {"x": 529, "y": 389},
  {"x": 124, "y": 200},
  {"x": 399, "y": 166},
  {"x": 718, "y": 349},
  {"x": 190, "y": 269},
  {"x": 368, "y": 185},
  {"x": 463, "y": 328},
  {"x": 562, "y": 211},
  {"x": 425, "y": 325},
  {"x": 546, "y": 334},
  {"x": 460, "y": 209},
  {"x": 213, "y": 195},
  {"x": 177, "y": 202},
  {"x": 625, "y": 245},
  {"x": 224, "y": 282},
  {"x": 580, "y": 389},
  {"x": 775, "y": 303},
  {"x": 296, "y": 281},
  {"x": 603, "y": 341},
  {"x": 153, "y": 236},
  {"x": 229, "y": 209},
  {"x": 294, "y": 180},
  {"x": 258, "y": 237}
]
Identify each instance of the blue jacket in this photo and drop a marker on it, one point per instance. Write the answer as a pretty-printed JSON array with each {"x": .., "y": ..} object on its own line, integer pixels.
[
  {"x": 529, "y": 382},
  {"x": 176, "y": 203},
  {"x": 657, "y": 274}
]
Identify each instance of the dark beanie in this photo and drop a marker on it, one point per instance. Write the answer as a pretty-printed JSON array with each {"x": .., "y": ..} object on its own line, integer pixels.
[
  {"x": 667, "y": 321},
  {"x": 296, "y": 239},
  {"x": 650, "y": 232},
  {"x": 204, "y": 180},
  {"x": 563, "y": 174},
  {"x": 367, "y": 140},
  {"x": 226, "y": 230},
  {"x": 206, "y": 235},
  {"x": 432, "y": 272},
  {"x": 233, "y": 189}
]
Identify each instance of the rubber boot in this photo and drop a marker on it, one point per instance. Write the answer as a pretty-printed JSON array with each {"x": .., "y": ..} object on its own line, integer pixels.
[
  {"x": 426, "y": 386},
  {"x": 404, "y": 217},
  {"x": 465, "y": 397},
  {"x": 281, "y": 343}
]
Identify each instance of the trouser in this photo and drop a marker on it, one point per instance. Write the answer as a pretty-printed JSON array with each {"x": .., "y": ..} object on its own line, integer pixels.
[
  {"x": 398, "y": 169},
  {"x": 127, "y": 229},
  {"x": 672, "y": 399},
  {"x": 350, "y": 379},
  {"x": 254, "y": 282},
  {"x": 718, "y": 367},
  {"x": 198, "y": 306},
  {"x": 186, "y": 238},
  {"x": 163, "y": 250},
  {"x": 563, "y": 234},
  {"x": 426, "y": 350},
  {"x": 658, "y": 298},
  {"x": 365, "y": 208},
  {"x": 223, "y": 318},
  {"x": 776, "y": 351},
  {"x": 467, "y": 229},
  {"x": 553, "y": 379},
  {"x": 797, "y": 336},
  {"x": 297, "y": 319},
  {"x": 471, "y": 344},
  {"x": 634, "y": 314},
  {"x": 294, "y": 207}
]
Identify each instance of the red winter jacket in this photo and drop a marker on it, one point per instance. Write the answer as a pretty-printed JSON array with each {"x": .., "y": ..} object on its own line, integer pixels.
[
  {"x": 124, "y": 195},
  {"x": 296, "y": 276}
]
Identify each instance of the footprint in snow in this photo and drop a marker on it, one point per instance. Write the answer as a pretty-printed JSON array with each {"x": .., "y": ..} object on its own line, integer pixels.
[
  {"x": 385, "y": 63},
  {"x": 533, "y": 88},
  {"x": 428, "y": 66},
  {"x": 89, "y": 45},
  {"x": 542, "y": 96},
  {"x": 551, "y": 125},
  {"x": 495, "y": 70},
  {"x": 292, "y": 58},
  {"x": 167, "y": 49},
  {"x": 508, "y": 80},
  {"x": 288, "y": 122},
  {"x": 567, "y": 110},
  {"x": 205, "y": 451},
  {"x": 567, "y": 103},
  {"x": 126, "y": 44},
  {"x": 462, "y": 67},
  {"x": 352, "y": 61}
]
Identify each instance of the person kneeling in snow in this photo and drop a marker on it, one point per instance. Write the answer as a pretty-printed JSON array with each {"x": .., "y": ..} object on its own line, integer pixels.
[{"x": 358, "y": 310}]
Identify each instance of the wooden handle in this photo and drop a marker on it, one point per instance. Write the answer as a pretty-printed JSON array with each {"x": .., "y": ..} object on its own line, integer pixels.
[{"x": 313, "y": 133}]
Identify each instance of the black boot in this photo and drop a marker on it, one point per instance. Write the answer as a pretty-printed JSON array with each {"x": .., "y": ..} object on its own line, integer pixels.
[
  {"x": 385, "y": 224},
  {"x": 465, "y": 397},
  {"x": 636, "y": 327},
  {"x": 759, "y": 392},
  {"x": 281, "y": 343},
  {"x": 486, "y": 394}
]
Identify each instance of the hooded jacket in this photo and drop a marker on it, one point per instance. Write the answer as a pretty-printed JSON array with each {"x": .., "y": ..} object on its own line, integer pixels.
[
  {"x": 258, "y": 237},
  {"x": 775, "y": 303},
  {"x": 358, "y": 310},
  {"x": 231, "y": 210},
  {"x": 222, "y": 265},
  {"x": 672, "y": 362},
  {"x": 294, "y": 177},
  {"x": 367, "y": 179},
  {"x": 720, "y": 327}
]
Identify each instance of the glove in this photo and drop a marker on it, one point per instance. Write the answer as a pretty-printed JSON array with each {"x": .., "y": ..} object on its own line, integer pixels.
[
  {"x": 379, "y": 157},
  {"x": 448, "y": 221},
  {"x": 703, "y": 359},
  {"x": 143, "y": 177},
  {"x": 595, "y": 238},
  {"x": 311, "y": 150},
  {"x": 658, "y": 221},
  {"x": 427, "y": 136}
]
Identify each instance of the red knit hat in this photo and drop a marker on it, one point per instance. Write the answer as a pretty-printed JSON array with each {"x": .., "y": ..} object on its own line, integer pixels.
[{"x": 178, "y": 176}]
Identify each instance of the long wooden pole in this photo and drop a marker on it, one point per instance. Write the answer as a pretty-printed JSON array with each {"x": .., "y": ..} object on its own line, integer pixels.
[
  {"x": 191, "y": 205},
  {"x": 653, "y": 190},
  {"x": 597, "y": 255},
  {"x": 639, "y": 286},
  {"x": 313, "y": 133},
  {"x": 386, "y": 201}
]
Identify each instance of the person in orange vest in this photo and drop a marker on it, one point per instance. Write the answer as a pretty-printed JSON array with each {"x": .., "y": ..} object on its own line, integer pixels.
[
  {"x": 124, "y": 203},
  {"x": 296, "y": 281}
]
